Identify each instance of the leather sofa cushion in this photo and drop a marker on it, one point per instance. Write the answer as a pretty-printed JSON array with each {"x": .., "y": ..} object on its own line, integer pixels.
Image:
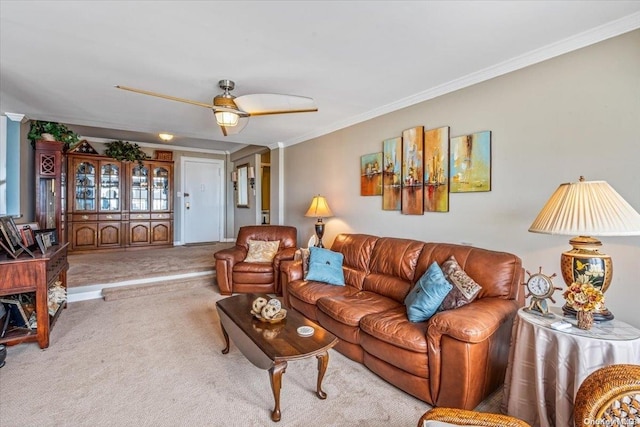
[
  {"x": 393, "y": 327},
  {"x": 356, "y": 249},
  {"x": 392, "y": 266},
  {"x": 495, "y": 271},
  {"x": 310, "y": 292},
  {"x": 349, "y": 309}
]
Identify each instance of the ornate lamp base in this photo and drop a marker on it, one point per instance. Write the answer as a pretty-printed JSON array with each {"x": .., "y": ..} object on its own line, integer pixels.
[
  {"x": 585, "y": 262},
  {"x": 319, "y": 232}
]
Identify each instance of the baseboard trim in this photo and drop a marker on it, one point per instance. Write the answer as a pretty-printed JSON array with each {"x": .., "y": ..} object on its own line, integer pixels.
[{"x": 89, "y": 292}]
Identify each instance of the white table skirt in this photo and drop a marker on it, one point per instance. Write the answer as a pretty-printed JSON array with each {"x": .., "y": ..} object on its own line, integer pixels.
[{"x": 546, "y": 366}]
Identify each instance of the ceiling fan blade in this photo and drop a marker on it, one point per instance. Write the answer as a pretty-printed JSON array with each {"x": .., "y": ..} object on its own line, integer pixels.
[
  {"x": 174, "y": 98},
  {"x": 262, "y": 104}
]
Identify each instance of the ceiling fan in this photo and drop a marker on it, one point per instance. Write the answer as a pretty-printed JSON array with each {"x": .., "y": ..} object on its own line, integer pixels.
[{"x": 232, "y": 114}]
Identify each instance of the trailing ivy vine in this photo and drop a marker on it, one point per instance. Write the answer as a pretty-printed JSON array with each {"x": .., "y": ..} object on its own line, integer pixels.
[{"x": 125, "y": 151}]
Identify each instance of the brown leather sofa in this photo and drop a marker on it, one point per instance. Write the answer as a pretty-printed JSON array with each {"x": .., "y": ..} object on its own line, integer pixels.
[
  {"x": 234, "y": 275},
  {"x": 456, "y": 358}
]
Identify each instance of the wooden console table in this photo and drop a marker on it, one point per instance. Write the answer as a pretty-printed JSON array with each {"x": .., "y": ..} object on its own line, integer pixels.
[{"x": 26, "y": 274}]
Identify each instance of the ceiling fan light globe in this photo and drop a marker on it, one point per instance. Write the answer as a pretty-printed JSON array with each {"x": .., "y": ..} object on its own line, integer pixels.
[{"x": 226, "y": 118}]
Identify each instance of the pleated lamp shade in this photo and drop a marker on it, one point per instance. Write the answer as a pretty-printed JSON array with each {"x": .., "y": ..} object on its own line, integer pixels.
[{"x": 585, "y": 209}]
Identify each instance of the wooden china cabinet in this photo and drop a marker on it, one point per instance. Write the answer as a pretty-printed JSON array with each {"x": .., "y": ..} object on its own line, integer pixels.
[{"x": 118, "y": 205}]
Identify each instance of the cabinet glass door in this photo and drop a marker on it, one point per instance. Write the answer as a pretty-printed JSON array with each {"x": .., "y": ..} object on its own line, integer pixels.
[
  {"x": 109, "y": 187},
  {"x": 140, "y": 188},
  {"x": 160, "y": 196},
  {"x": 85, "y": 176}
]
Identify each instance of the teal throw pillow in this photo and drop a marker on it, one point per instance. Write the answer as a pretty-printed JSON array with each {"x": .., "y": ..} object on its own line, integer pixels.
[
  {"x": 325, "y": 266},
  {"x": 427, "y": 295}
]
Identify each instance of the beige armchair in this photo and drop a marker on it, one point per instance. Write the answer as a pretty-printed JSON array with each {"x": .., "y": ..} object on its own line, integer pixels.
[
  {"x": 234, "y": 275},
  {"x": 609, "y": 396}
]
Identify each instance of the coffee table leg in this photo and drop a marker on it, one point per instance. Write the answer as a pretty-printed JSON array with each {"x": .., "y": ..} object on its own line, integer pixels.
[
  {"x": 275, "y": 375},
  {"x": 226, "y": 340},
  {"x": 323, "y": 362}
]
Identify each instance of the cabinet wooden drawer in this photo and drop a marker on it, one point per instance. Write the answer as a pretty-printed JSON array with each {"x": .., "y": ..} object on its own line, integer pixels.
[
  {"x": 110, "y": 217},
  {"x": 138, "y": 216},
  {"x": 84, "y": 217},
  {"x": 56, "y": 265},
  {"x": 161, "y": 215}
]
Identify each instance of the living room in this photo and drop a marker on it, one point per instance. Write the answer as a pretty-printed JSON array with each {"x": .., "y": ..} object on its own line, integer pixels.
[{"x": 570, "y": 115}]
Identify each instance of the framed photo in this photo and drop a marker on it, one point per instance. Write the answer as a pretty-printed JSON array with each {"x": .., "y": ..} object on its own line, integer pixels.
[
  {"x": 15, "y": 311},
  {"x": 45, "y": 239},
  {"x": 53, "y": 234},
  {"x": 11, "y": 230},
  {"x": 10, "y": 238},
  {"x": 28, "y": 238}
]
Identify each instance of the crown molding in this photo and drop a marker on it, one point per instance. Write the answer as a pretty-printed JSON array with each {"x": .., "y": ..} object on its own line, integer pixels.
[
  {"x": 578, "y": 41},
  {"x": 17, "y": 117},
  {"x": 160, "y": 146}
]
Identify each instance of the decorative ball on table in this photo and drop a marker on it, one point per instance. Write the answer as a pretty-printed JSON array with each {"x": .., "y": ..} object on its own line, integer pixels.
[{"x": 270, "y": 311}]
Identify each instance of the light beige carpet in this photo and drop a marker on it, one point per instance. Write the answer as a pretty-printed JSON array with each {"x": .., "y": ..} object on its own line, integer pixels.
[
  {"x": 156, "y": 360},
  {"x": 110, "y": 267}
]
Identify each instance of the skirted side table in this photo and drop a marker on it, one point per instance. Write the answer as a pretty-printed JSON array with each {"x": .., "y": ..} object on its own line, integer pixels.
[{"x": 547, "y": 366}]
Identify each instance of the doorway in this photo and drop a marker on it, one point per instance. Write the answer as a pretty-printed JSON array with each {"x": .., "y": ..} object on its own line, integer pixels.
[{"x": 202, "y": 200}]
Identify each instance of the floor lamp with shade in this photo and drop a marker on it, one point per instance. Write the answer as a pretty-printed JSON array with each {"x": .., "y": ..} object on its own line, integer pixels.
[
  {"x": 319, "y": 209},
  {"x": 585, "y": 209}
]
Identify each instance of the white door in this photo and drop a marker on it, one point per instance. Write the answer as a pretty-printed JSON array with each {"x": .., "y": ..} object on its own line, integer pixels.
[{"x": 202, "y": 200}]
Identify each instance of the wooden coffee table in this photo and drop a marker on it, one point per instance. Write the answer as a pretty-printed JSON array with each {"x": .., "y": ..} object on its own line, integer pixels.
[{"x": 271, "y": 346}]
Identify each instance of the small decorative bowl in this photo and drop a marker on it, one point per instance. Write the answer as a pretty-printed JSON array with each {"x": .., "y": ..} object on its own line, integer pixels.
[{"x": 279, "y": 317}]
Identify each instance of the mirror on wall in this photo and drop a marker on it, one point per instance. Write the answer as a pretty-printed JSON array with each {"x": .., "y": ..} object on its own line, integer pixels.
[{"x": 242, "y": 198}]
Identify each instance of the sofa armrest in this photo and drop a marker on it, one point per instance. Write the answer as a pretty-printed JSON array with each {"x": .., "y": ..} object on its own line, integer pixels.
[
  {"x": 290, "y": 270},
  {"x": 468, "y": 351},
  {"x": 225, "y": 260},
  {"x": 472, "y": 323}
]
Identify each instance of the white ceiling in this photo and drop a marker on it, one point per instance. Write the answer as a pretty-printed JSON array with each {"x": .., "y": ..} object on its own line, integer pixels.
[{"x": 60, "y": 60}]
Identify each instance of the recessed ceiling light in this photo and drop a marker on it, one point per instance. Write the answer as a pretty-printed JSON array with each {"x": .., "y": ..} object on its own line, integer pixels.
[{"x": 166, "y": 137}]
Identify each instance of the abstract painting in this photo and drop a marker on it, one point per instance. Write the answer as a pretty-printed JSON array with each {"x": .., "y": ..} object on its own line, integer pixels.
[
  {"x": 412, "y": 171},
  {"x": 436, "y": 170},
  {"x": 470, "y": 166},
  {"x": 371, "y": 174},
  {"x": 391, "y": 178}
]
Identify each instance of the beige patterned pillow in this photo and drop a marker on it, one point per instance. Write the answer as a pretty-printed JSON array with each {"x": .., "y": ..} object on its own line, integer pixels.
[
  {"x": 262, "y": 251},
  {"x": 303, "y": 255},
  {"x": 465, "y": 289}
]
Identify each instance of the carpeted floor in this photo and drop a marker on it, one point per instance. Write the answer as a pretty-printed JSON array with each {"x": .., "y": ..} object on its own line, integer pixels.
[
  {"x": 156, "y": 360},
  {"x": 110, "y": 267}
]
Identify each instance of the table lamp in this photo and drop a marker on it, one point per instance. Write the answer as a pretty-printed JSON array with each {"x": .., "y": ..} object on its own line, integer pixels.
[
  {"x": 320, "y": 209},
  {"x": 585, "y": 209}
]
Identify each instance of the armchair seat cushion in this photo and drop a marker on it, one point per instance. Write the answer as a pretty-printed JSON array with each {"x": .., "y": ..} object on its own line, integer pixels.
[{"x": 349, "y": 309}]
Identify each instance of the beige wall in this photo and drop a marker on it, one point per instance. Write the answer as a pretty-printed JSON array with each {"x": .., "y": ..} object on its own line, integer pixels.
[{"x": 578, "y": 114}]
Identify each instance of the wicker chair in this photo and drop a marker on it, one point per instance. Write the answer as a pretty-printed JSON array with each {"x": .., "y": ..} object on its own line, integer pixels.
[
  {"x": 462, "y": 417},
  {"x": 609, "y": 396}
]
